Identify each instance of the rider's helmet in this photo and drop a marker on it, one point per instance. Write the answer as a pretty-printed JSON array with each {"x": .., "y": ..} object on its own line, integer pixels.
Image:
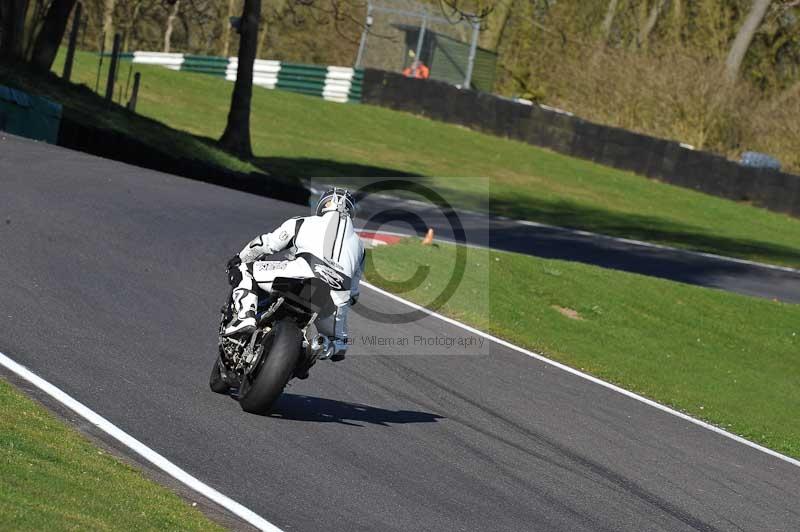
[{"x": 337, "y": 199}]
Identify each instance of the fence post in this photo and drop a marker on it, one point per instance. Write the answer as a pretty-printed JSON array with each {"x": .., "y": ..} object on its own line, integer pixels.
[
  {"x": 100, "y": 62},
  {"x": 128, "y": 83},
  {"x": 112, "y": 69},
  {"x": 363, "y": 44},
  {"x": 476, "y": 29},
  {"x": 135, "y": 92},
  {"x": 73, "y": 40}
]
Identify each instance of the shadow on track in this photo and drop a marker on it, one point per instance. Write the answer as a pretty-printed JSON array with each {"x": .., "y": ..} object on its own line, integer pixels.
[{"x": 306, "y": 408}]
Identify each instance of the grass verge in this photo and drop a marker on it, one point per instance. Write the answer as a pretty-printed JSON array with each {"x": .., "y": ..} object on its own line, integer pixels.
[
  {"x": 85, "y": 107},
  {"x": 731, "y": 360},
  {"x": 52, "y": 478},
  {"x": 304, "y": 136}
]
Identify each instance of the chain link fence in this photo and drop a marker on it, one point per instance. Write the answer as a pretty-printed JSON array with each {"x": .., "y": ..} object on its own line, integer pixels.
[{"x": 421, "y": 41}]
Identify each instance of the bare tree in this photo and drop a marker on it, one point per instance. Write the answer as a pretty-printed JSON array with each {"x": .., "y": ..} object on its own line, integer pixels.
[
  {"x": 49, "y": 37},
  {"x": 471, "y": 10},
  {"x": 108, "y": 23},
  {"x": 744, "y": 37},
  {"x": 676, "y": 21},
  {"x": 173, "y": 14},
  {"x": 225, "y": 38},
  {"x": 496, "y": 22},
  {"x": 608, "y": 20},
  {"x": 12, "y": 16},
  {"x": 236, "y": 137},
  {"x": 135, "y": 10},
  {"x": 263, "y": 26},
  {"x": 650, "y": 22},
  {"x": 34, "y": 18}
]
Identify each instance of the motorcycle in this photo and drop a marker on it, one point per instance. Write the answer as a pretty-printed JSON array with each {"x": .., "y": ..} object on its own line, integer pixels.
[{"x": 256, "y": 368}]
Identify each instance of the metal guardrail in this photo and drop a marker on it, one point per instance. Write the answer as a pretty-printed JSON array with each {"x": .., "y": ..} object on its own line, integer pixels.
[
  {"x": 333, "y": 83},
  {"x": 28, "y": 115}
]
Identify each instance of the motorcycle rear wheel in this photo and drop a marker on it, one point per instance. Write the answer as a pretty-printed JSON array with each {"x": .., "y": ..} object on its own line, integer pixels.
[{"x": 264, "y": 384}]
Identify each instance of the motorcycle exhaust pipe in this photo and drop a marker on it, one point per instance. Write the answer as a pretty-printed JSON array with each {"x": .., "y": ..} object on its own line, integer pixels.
[{"x": 320, "y": 346}]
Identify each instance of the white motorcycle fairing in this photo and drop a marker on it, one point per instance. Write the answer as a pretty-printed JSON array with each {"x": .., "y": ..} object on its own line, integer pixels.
[{"x": 304, "y": 266}]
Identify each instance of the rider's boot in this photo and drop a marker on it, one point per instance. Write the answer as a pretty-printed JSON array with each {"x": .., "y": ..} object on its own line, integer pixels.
[
  {"x": 244, "y": 303},
  {"x": 241, "y": 324}
]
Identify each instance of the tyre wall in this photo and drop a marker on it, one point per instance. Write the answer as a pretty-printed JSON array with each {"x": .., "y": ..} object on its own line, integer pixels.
[{"x": 660, "y": 159}]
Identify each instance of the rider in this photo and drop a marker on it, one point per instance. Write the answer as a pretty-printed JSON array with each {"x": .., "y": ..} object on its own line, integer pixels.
[{"x": 328, "y": 235}]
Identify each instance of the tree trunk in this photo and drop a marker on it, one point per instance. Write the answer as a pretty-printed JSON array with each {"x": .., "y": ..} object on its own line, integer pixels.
[
  {"x": 129, "y": 27},
  {"x": 744, "y": 37},
  {"x": 225, "y": 40},
  {"x": 650, "y": 23},
  {"x": 236, "y": 137},
  {"x": 49, "y": 38},
  {"x": 262, "y": 35},
  {"x": 108, "y": 24},
  {"x": 187, "y": 29},
  {"x": 170, "y": 23},
  {"x": 608, "y": 20},
  {"x": 676, "y": 22},
  {"x": 33, "y": 20},
  {"x": 13, "y": 29}
]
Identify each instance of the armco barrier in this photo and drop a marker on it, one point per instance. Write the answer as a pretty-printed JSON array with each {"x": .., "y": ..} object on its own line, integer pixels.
[
  {"x": 337, "y": 84},
  {"x": 650, "y": 156},
  {"x": 28, "y": 115}
]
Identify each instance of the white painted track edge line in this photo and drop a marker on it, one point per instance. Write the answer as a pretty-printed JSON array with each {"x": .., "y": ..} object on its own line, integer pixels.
[
  {"x": 586, "y": 376},
  {"x": 138, "y": 447},
  {"x": 623, "y": 240},
  {"x": 653, "y": 245},
  {"x": 591, "y": 234}
]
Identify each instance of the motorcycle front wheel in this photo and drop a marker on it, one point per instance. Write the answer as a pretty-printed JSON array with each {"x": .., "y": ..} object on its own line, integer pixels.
[
  {"x": 216, "y": 382},
  {"x": 262, "y": 386}
]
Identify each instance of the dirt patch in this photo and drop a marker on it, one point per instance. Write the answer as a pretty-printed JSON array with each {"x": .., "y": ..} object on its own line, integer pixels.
[{"x": 568, "y": 312}]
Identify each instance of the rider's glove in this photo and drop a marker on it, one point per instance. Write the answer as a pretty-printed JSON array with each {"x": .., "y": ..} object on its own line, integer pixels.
[
  {"x": 234, "y": 262},
  {"x": 234, "y": 275}
]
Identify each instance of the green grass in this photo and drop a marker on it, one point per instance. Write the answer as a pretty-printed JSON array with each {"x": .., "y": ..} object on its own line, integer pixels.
[
  {"x": 85, "y": 107},
  {"x": 728, "y": 359},
  {"x": 305, "y": 136},
  {"x": 51, "y": 478}
]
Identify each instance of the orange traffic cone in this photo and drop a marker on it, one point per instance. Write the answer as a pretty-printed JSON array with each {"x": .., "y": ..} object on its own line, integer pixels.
[{"x": 428, "y": 240}]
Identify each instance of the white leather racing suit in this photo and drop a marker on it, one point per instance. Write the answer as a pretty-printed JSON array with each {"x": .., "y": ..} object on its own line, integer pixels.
[{"x": 329, "y": 237}]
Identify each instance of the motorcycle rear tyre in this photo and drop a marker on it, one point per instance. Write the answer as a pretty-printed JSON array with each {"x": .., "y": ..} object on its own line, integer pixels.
[{"x": 265, "y": 384}]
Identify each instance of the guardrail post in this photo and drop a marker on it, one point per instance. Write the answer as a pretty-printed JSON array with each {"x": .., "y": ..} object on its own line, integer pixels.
[
  {"x": 73, "y": 39},
  {"x": 112, "y": 69}
]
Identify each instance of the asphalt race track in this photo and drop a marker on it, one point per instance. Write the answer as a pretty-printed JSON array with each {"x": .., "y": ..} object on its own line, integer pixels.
[
  {"x": 110, "y": 281},
  {"x": 550, "y": 242}
]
